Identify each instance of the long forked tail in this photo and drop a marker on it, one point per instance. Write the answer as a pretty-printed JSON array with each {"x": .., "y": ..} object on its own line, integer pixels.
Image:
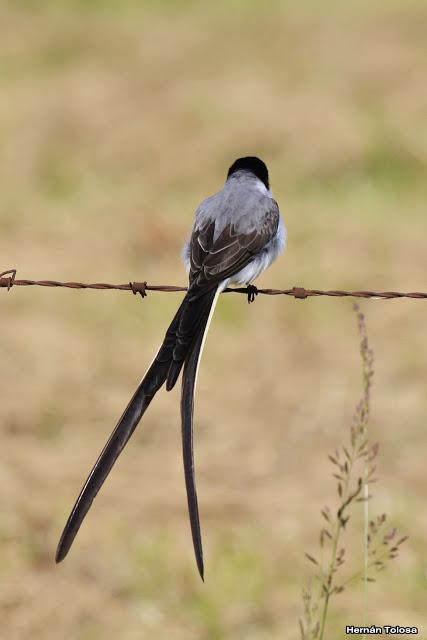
[{"x": 189, "y": 321}]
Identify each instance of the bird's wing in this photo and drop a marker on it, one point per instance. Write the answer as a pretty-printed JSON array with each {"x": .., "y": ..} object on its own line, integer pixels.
[{"x": 215, "y": 257}]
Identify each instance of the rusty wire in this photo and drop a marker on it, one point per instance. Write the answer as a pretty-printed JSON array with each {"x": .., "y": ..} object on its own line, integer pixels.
[{"x": 8, "y": 280}]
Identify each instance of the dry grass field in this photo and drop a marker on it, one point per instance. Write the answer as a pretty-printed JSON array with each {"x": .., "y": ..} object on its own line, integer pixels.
[{"x": 116, "y": 119}]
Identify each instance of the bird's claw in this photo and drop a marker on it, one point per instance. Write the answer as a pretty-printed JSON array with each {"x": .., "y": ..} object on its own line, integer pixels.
[{"x": 252, "y": 293}]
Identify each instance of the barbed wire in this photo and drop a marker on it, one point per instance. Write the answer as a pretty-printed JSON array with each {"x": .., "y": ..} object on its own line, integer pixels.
[{"x": 8, "y": 280}]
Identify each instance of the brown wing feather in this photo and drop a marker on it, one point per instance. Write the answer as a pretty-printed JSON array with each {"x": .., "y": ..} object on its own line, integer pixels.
[{"x": 214, "y": 259}]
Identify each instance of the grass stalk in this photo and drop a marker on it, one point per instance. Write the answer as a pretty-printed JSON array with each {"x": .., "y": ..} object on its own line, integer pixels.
[{"x": 353, "y": 469}]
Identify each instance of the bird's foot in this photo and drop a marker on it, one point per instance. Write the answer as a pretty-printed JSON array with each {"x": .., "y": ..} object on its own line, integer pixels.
[{"x": 252, "y": 293}]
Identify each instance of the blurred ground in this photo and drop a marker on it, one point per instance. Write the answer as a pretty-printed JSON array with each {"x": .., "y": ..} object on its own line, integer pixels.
[{"x": 116, "y": 119}]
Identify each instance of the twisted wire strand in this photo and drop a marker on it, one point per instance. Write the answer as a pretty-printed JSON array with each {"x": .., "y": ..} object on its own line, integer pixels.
[{"x": 8, "y": 280}]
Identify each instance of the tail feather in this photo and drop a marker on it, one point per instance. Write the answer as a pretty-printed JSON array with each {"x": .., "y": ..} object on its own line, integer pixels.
[
  {"x": 189, "y": 381},
  {"x": 192, "y": 321},
  {"x": 154, "y": 378},
  {"x": 181, "y": 346}
]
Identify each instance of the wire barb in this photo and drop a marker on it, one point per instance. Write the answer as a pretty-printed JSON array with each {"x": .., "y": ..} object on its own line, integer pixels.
[
  {"x": 139, "y": 287},
  {"x": 8, "y": 280}
]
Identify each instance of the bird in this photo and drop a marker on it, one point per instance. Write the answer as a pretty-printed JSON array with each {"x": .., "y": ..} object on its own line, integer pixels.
[{"x": 237, "y": 233}]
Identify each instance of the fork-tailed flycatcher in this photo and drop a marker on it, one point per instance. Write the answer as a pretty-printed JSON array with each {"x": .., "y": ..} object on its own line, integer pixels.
[{"x": 237, "y": 234}]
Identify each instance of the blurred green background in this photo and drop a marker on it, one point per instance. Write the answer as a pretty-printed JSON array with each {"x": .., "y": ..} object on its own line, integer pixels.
[{"x": 116, "y": 119}]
